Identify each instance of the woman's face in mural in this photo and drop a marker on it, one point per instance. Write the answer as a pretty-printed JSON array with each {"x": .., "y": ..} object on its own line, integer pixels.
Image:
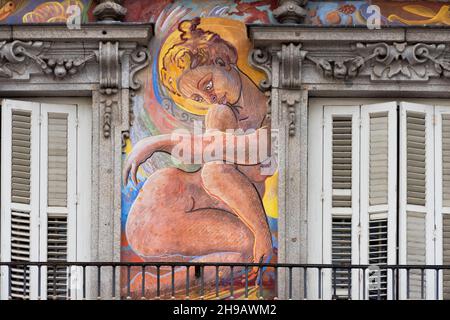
[{"x": 211, "y": 84}]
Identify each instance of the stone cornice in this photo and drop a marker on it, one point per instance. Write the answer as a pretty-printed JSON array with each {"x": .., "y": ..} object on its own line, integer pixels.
[
  {"x": 140, "y": 33},
  {"x": 275, "y": 35}
]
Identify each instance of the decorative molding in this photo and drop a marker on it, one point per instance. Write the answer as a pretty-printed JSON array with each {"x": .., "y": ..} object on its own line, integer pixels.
[
  {"x": 403, "y": 61},
  {"x": 261, "y": 59},
  {"x": 108, "y": 57},
  {"x": 291, "y": 11},
  {"x": 15, "y": 53},
  {"x": 139, "y": 59},
  {"x": 290, "y": 99},
  {"x": 387, "y": 62},
  {"x": 110, "y": 11},
  {"x": 345, "y": 69},
  {"x": 62, "y": 67},
  {"x": 291, "y": 57}
]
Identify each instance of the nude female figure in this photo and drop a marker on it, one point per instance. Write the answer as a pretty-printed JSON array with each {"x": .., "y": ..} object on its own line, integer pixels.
[{"x": 215, "y": 214}]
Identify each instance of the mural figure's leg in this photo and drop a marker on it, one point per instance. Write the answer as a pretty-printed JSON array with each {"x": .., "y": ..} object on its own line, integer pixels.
[
  {"x": 179, "y": 282},
  {"x": 174, "y": 219},
  {"x": 226, "y": 183}
]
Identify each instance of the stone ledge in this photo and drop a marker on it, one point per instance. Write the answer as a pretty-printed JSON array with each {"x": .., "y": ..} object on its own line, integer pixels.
[{"x": 126, "y": 32}]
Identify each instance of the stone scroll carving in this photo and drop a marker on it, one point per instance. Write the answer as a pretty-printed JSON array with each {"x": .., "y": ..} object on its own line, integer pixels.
[
  {"x": 388, "y": 62},
  {"x": 108, "y": 57},
  {"x": 15, "y": 56},
  {"x": 288, "y": 63}
]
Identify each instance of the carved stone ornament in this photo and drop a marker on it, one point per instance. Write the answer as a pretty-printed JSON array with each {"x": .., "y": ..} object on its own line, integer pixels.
[
  {"x": 291, "y": 57},
  {"x": 403, "y": 61},
  {"x": 290, "y": 99},
  {"x": 290, "y": 11},
  {"x": 262, "y": 59},
  {"x": 110, "y": 11},
  {"x": 14, "y": 55},
  {"x": 109, "y": 64},
  {"x": 388, "y": 62}
]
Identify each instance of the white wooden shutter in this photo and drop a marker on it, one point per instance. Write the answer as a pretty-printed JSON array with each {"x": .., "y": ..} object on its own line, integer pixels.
[
  {"x": 378, "y": 192},
  {"x": 416, "y": 216},
  {"x": 341, "y": 199},
  {"x": 20, "y": 196},
  {"x": 58, "y": 191},
  {"x": 442, "y": 196}
]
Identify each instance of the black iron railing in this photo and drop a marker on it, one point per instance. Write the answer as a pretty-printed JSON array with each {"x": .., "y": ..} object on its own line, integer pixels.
[{"x": 164, "y": 280}]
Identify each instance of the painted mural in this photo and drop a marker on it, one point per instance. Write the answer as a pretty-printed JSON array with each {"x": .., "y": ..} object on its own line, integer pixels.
[
  {"x": 393, "y": 13},
  {"x": 207, "y": 212},
  {"x": 320, "y": 13},
  {"x": 211, "y": 212},
  {"x": 41, "y": 11}
]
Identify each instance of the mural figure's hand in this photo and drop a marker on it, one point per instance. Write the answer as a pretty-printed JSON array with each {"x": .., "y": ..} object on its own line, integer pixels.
[{"x": 142, "y": 151}]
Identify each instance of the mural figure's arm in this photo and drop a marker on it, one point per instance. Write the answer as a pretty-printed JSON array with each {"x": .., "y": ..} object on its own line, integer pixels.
[{"x": 247, "y": 149}]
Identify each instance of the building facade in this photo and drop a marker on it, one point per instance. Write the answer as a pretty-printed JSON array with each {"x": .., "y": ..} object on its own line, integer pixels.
[{"x": 225, "y": 149}]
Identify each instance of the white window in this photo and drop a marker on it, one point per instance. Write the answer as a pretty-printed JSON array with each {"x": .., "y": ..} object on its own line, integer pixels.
[
  {"x": 377, "y": 195},
  {"x": 41, "y": 220}
]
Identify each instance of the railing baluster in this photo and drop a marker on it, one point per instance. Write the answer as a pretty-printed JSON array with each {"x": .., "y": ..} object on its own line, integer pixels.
[
  {"x": 39, "y": 283},
  {"x": 246, "y": 282},
  {"x": 217, "y": 282},
  {"x": 231, "y": 283},
  {"x": 437, "y": 283},
  {"x": 261, "y": 289},
  {"x": 143, "y": 282},
  {"x": 422, "y": 278},
  {"x": 290, "y": 283},
  {"x": 128, "y": 282},
  {"x": 24, "y": 282},
  {"x": 202, "y": 282},
  {"x": 99, "y": 282},
  {"x": 334, "y": 282},
  {"x": 69, "y": 283},
  {"x": 319, "y": 271},
  {"x": 305, "y": 283},
  {"x": 84, "y": 282},
  {"x": 158, "y": 282},
  {"x": 407, "y": 283},
  {"x": 349, "y": 288},
  {"x": 9, "y": 283},
  {"x": 113, "y": 293},
  {"x": 173, "y": 282},
  {"x": 364, "y": 273},
  {"x": 187, "y": 282}
]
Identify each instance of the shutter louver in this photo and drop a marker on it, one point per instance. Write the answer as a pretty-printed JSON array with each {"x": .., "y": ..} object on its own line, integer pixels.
[
  {"x": 378, "y": 167},
  {"x": 21, "y": 194},
  {"x": 21, "y": 157},
  {"x": 342, "y": 162},
  {"x": 341, "y": 253},
  {"x": 378, "y": 194},
  {"x": 341, "y": 242},
  {"x": 416, "y": 195},
  {"x": 416, "y": 242},
  {"x": 442, "y": 190},
  {"x": 20, "y": 252},
  {"x": 446, "y": 254},
  {"x": 446, "y": 202},
  {"x": 57, "y": 211},
  {"x": 446, "y": 160},
  {"x": 416, "y": 158},
  {"x": 416, "y": 251},
  {"x": 19, "y": 220},
  {"x": 39, "y": 219},
  {"x": 341, "y": 174}
]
